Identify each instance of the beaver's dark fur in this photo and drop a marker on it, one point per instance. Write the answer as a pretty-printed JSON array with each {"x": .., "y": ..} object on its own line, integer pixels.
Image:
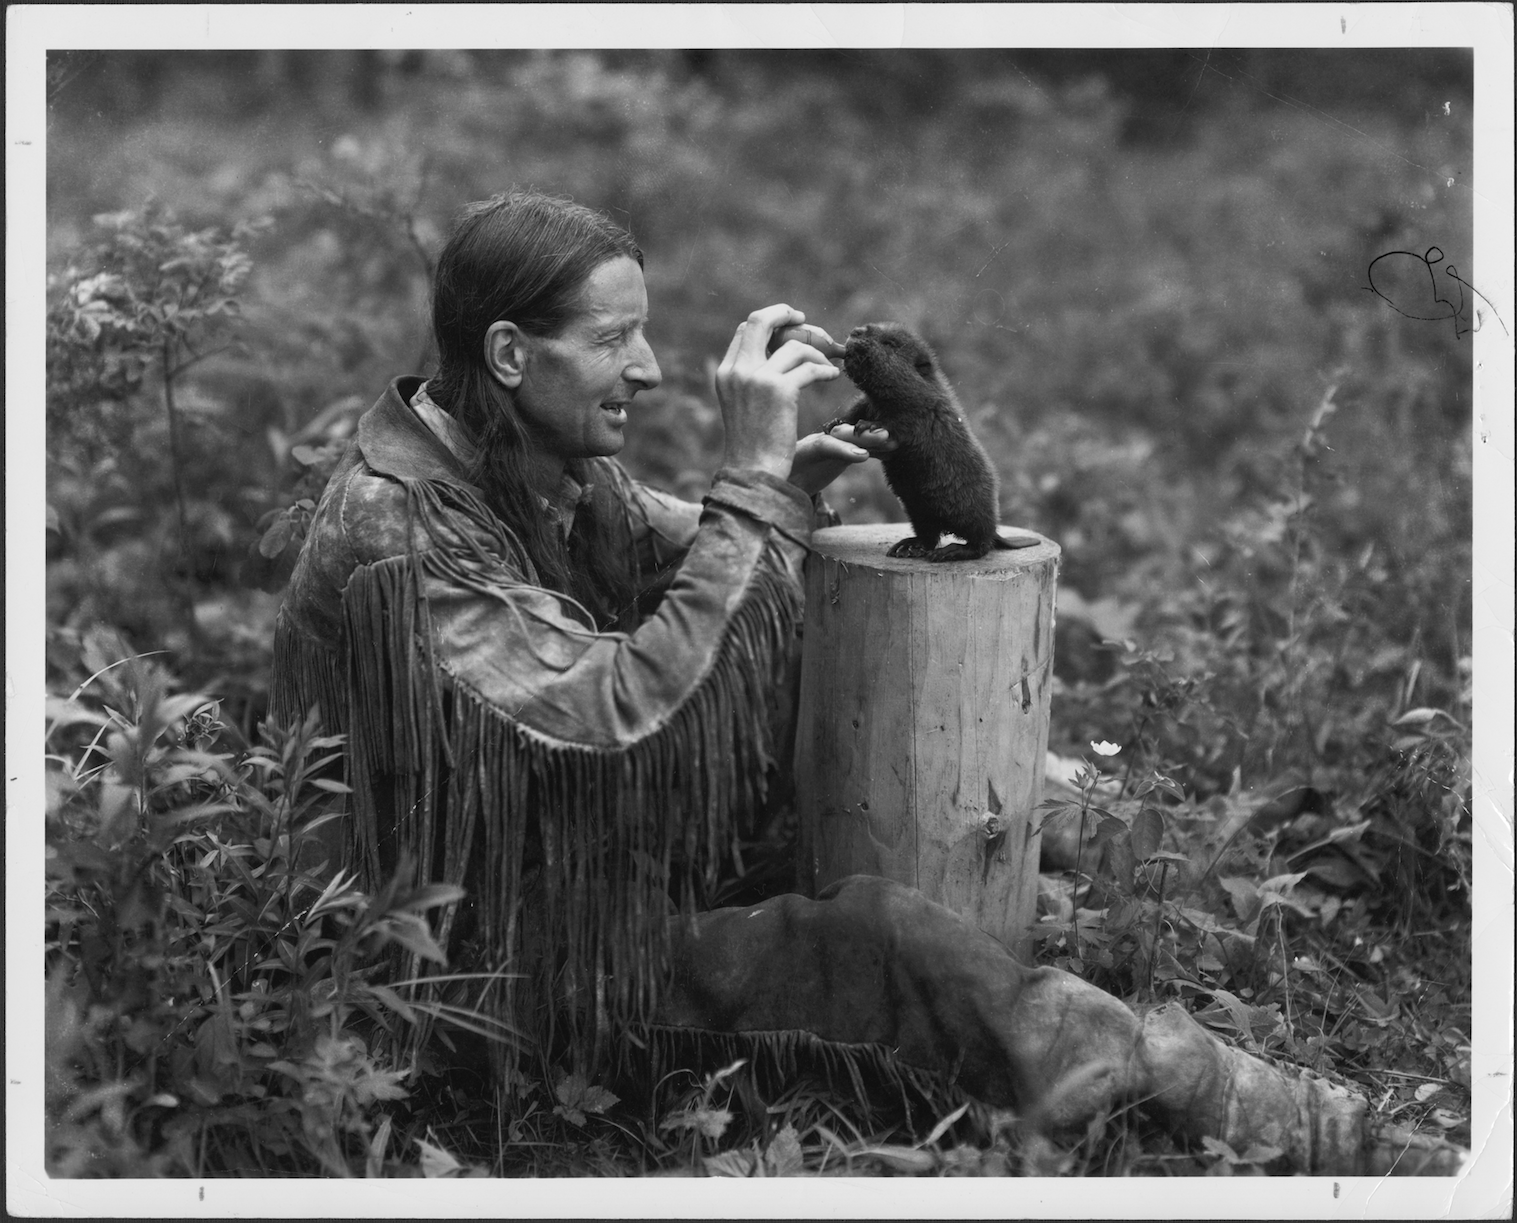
[{"x": 940, "y": 472}]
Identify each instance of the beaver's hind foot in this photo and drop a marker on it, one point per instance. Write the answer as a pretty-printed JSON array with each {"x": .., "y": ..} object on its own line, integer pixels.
[
  {"x": 958, "y": 552},
  {"x": 911, "y": 547}
]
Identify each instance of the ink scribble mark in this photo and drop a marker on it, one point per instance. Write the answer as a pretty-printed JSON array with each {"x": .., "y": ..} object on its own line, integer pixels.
[{"x": 1409, "y": 285}]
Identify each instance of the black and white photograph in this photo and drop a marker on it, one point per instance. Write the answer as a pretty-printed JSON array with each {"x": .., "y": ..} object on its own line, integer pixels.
[{"x": 864, "y": 597}]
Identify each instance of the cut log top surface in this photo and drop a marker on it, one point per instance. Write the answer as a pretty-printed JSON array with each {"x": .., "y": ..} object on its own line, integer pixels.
[{"x": 866, "y": 544}]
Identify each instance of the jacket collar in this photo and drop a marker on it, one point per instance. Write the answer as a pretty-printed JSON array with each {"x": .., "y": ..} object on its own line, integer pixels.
[{"x": 395, "y": 441}]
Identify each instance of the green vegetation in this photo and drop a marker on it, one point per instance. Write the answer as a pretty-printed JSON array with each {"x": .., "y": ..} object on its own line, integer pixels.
[{"x": 1145, "y": 275}]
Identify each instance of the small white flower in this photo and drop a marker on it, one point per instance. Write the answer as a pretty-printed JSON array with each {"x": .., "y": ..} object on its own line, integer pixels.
[{"x": 1104, "y": 748}]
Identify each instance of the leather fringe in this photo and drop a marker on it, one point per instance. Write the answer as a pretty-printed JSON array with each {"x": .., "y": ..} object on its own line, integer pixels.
[{"x": 618, "y": 829}]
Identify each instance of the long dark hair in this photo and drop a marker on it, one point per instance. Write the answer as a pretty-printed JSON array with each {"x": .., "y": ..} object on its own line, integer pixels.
[{"x": 524, "y": 257}]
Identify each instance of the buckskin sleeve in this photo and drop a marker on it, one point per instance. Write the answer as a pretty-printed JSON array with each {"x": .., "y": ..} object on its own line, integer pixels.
[
  {"x": 664, "y": 525},
  {"x": 518, "y": 648}
]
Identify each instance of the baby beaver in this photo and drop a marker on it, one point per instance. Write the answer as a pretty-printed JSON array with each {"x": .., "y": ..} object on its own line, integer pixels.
[{"x": 940, "y": 472}]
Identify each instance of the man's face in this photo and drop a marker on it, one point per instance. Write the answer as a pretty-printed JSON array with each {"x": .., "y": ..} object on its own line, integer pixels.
[{"x": 576, "y": 386}]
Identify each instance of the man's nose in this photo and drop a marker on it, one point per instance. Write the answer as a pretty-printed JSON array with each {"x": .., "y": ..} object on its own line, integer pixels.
[{"x": 643, "y": 370}]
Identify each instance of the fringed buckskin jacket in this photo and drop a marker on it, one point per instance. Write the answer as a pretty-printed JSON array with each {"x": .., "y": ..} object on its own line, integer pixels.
[{"x": 491, "y": 727}]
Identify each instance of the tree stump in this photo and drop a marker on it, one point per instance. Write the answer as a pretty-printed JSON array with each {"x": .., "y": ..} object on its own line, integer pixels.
[{"x": 923, "y": 723}]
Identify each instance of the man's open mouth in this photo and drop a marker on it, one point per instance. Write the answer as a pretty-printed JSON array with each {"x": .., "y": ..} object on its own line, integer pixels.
[{"x": 617, "y": 411}]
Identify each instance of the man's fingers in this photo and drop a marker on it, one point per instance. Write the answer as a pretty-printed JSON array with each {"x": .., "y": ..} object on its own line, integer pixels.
[
  {"x": 770, "y": 317},
  {"x": 752, "y": 338},
  {"x": 734, "y": 346},
  {"x": 820, "y": 446},
  {"x": 794, "y": 353},
  {"x": 815, "y": 337},
  {"x": 837, "y": 448},
  {"x": 876, "y": 441},
  {"x": 808, "y": 371}
]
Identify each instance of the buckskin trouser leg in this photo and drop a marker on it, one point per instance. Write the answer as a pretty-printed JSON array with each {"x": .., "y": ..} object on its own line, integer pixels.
[{"x": 874, "y": 964}]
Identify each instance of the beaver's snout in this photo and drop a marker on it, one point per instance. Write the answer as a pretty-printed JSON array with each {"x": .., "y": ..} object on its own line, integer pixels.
[
  {"x": 868, "y": 354},
  {"x": 856, "y": 338}
]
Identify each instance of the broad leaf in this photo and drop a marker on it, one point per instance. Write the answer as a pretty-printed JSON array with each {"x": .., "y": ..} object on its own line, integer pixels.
[
  {"x": 1147, "y": 832},
  {"x": 436, "y": 1162},
  {"x": 784, "y": 1156}
]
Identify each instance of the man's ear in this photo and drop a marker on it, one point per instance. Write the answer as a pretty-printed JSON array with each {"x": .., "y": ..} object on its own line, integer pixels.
[{"x": 505, "y": 353}]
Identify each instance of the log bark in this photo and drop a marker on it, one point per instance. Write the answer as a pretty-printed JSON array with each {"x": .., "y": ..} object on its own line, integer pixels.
[{"x": 923, "y": 723}]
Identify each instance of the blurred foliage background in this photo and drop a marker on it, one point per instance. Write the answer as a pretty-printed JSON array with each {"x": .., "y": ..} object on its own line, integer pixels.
[{"x": 1143, "y": 271}]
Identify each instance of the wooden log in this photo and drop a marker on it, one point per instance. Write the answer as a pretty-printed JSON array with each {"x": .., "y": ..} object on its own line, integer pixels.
[{"x": 923, "y": 722}]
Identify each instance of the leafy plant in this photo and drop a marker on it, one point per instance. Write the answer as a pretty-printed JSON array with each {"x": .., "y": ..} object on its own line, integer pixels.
[
  {"x": 271, "y": 558},
  {"x": 576, "y": 1097},
  {"x": 217, "y": 999},
  {"x": 150, "y": 298},
  {"x": 700, "y": 1116},
  {"x": 146, "y": 488}
]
